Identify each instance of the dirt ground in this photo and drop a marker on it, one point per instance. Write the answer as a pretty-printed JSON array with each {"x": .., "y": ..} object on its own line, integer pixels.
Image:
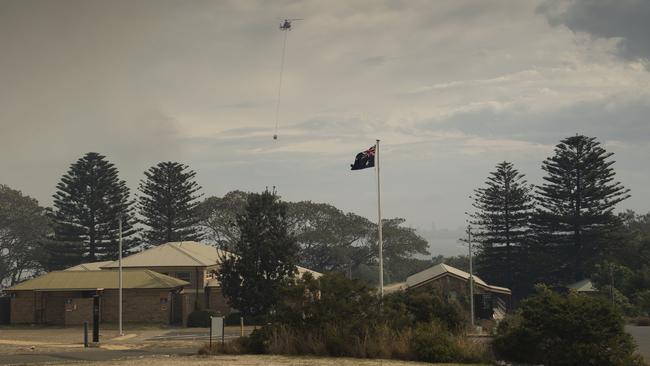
[
  {"x": 253, "y": 360},
  {"x": 27, "y": 339}
]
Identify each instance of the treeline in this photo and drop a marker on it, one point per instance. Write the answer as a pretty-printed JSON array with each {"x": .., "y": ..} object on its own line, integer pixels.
[
  {"x": 329, "y": 239},
  {"x": 91, "y": 202},
  {"x": 564, "y": 230}
]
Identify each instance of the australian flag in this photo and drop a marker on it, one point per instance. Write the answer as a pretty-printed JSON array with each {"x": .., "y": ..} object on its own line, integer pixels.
[{"x": 365, "y": 159}]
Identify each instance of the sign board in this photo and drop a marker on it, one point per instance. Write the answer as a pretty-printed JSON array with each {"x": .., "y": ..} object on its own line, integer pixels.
[{"x": 216, "y": 328}]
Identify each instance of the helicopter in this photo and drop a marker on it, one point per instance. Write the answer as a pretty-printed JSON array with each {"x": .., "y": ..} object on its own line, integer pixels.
[{"x": 286, "y": 24}]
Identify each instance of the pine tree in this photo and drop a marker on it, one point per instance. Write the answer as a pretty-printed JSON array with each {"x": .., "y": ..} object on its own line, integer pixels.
[
  {"x": 168, "y": 203},
  {"x": 575, "y": 206},
  {"x": 503, "y": 209},
  {"x": 88, "y": 201},
  {"x": 265, "y": 256}
]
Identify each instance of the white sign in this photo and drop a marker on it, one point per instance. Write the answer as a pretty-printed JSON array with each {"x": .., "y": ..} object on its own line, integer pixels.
[{"x": 216, "y": 327}]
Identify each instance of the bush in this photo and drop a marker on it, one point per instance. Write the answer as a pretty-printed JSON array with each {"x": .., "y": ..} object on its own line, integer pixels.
[
  {"x": 255, "y": 343},
  {"x": 335, "y": 316},
  {"x": 431, "y": 343},
  {"x": 427, "y": 342},
  {"x": 424, "y": 306},
  {"x": 551, "y": 329},
  {"x": 200, "y": 318},
  {"x": 234, "y": 347},
  {"x": 232, "y": 319}
]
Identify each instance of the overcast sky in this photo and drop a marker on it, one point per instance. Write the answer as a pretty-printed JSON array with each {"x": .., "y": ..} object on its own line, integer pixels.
[{"x": 450, "y": 87}]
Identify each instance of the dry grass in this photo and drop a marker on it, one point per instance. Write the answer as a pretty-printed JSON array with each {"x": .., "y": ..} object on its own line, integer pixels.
[
  {"x": 380, "y": 342},
  {"x": 254, "y": 360}
]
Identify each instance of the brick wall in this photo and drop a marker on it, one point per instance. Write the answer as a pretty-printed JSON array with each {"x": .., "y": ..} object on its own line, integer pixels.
[
  {"x": 196, "y": 279},
  {"x": 22, "y": 307},
  {"x": 79, "y": 310},
  {"x": 139, "y": 306},
  {"x": 69, "y": 308},
  {"x": 54, "y": 305}
]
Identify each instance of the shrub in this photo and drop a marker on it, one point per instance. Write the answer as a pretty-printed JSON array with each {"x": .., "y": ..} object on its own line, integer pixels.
[
  {"x": 551, "y": 329},
  {"x": 424, "y": 306},
  {"x": 428, "y": 342},
  {"x": 200, "y": 318},
  {"x": 335, "y": 316},
  {"x": 234, "y": 347},
  {"x": 432, "y": 343},
  {"x": 255, "y": 343}
]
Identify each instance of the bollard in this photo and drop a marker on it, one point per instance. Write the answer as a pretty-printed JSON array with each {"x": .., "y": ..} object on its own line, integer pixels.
[
  {"x": 96, "y": 319},
  {"x": 241, "y": 326},
  {"x": 86, "y": 334}
]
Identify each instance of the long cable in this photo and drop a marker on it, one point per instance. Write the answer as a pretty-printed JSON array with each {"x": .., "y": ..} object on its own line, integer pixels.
[{"x": 277, "y": 107}]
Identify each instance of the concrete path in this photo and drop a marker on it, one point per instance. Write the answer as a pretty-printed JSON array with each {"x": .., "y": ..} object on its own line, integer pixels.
[{"x": 91, "y": 354}]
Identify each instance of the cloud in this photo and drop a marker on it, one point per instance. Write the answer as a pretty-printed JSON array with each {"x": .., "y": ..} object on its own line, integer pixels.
[
  {"x": 620, "y": 117},
  {"x": 626, "y": 21},
  {"x": 450, "y": 89}
]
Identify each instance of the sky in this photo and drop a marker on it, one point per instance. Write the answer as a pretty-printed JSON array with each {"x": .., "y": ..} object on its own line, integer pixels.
[{"x": 450, "y": 87}]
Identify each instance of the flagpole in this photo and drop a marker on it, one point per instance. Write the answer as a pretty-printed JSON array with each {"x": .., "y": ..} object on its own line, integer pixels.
[
  {"x": 121, "y": 333},
  {"x": 381, "y": 243}
]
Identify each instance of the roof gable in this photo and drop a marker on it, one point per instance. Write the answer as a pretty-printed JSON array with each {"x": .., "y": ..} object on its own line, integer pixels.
[{"x": 440, "y": 270}]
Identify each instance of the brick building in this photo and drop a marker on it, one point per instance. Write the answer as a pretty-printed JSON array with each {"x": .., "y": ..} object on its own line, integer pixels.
[
  {"x": 191, "y": 267},
  {"x": 189, "y": 261},
  {"x": 66, "y": 297},
  {"x": 490, "y": 301}
]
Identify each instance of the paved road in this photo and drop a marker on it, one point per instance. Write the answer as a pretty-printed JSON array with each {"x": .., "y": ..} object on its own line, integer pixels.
[
  {"x": 642, "y": 337},
  {"x": 91, "y": 354},
  {"x": 186, "y": 336}
]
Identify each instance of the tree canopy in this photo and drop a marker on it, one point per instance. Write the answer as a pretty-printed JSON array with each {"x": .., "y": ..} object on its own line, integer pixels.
[
  {"x": 503, "y": 209},
  {"x": 265, "y": 256},
  {"x": 575, "y": 204},
  {"x": 168, "y": 203},
  {"x": 328, "y": 238},
  {"x": 89, "y": 199},
  {"x": 23, "y": 230}
]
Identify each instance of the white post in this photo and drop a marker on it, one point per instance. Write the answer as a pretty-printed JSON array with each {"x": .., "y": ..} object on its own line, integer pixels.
[
  {"x": 381, "y": 243},
  {"x": 120, "y": 280},
  {"x": 471, "y": 275}
]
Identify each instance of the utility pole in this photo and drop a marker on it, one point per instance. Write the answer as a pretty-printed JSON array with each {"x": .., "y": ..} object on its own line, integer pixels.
[
  {"x": 120, "y": 280},
  {"x": 471, "y": 275}
]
